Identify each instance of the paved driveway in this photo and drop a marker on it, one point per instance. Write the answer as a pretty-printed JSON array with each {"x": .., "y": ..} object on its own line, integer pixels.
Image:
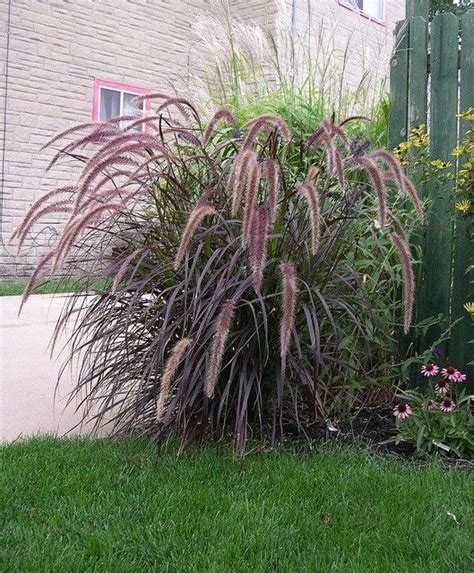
[{"x": 27, "y": 374}]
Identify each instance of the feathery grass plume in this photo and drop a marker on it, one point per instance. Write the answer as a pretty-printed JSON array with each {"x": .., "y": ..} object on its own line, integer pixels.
[
  {"x": 183, "y": 106},
  {"x": 38, "y": 274},
  {"x": 312, "y": 175},
  {"x": 218, "y": 344},
  {"x": 377, "y": 181},
  {"x": 250, "y": 200},
  {"x": 288, "y": 275},
  {"x": 97, "y": 136},
  {"x": 309, "y": 191},
  {"x": 354, "y": 118},
  {"x": 393, "y": 164},
  {"x": 197, "y": 215},
  {"x": 339, "y": 167},
  {"x": 240, "y": 175},
  {"x": 107, "y": 163},
  {"x": 124, "y": 266},
  {"x": 74, "y": 228},
  {"x": 63, "y": 134},
  {"x": 408, "y": 278},
  {"x": 171, "y": 367},
  {"x": 271, "y": 172},
  {"x": 333, "y": 129},
  {"x": 257, "y": 124},
  {"x": 258, "y": 244},
  {"x": 396, "y": 175},
  {"x": 57, "y": 207},
  {"x": 221, "y": 115},
  {"x": 38, "y": 203}
]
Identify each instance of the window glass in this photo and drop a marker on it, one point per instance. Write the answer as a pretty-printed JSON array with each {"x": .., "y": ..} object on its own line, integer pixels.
[
  {"x": 109, "y": 104},
  {"x": 131, "y": 107},
  {"x": 373, "y": 8}
]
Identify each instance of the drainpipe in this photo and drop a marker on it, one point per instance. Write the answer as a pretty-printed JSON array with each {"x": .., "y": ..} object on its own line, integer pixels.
[{"x": 5, "y": 105}]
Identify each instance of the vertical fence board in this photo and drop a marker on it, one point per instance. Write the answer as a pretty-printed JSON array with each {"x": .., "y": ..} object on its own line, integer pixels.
[
  {"x": 437, "y": 256},
  {"x": 399, "y": 86},
  {"x": 417, "y": 8},
  {"x": 461, "y": 351},
  {"x": 416, "y": 115},
  {"x": 417, "y": 72}
]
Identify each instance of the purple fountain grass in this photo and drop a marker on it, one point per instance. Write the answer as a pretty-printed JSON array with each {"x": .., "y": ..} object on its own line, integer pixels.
[
  {"x": 287, "y": 271},
  {"x": 68, "y": 131},
  {"x": 378, "y": 183},
  {"x": 169, "y": 372},
  {"x": 38, "y": 203},
  {"x": 107, "y": 163},
  {"x": 73, "y": 229},
  {"x": 409, "y": 190},
  {"x": 271, "y": 172},
  {"x": 57, "y": 207},
  {"x": 258, "y": 244},
  {"x": 38, "y": 273},
  {"x": 240, "y": 173},
  {"x": 218, "y": 117},
  {"x": 250, "y": 201},
  {"x": 221, "y": 332},
  {"x": 197, "y": 215},
  {"x": 119, "y": 275},
  {"x": 309, "y": 192},
  {"x": 339, "y": 167},
  {"x": 408, "y": 278},
  {"x": 256, "y": 125},
  {"x": 312, "y": 175}
]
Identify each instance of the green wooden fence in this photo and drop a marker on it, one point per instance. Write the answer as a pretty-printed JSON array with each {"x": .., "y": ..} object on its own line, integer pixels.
[{"x": 432, "y": 80}]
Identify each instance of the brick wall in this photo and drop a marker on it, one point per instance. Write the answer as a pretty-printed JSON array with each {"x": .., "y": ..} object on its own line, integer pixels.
[{"x": 58, "y": 47}]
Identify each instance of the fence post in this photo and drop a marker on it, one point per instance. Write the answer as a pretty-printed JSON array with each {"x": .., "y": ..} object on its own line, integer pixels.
[
  {"x": 461, "y": 351},
  {"x": 399, "y": 86},
  {"x": 435, "y": 285},
  {"x": 417, "y": 8}
]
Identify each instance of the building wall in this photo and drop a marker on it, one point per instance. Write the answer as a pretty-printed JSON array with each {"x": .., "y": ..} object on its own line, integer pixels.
[{"x": 57, "y": 47}]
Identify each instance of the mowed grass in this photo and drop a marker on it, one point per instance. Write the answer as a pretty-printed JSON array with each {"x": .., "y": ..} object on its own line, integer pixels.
[
  {"x": 53, "y": 286},
  {"x": 82, "y": 505}
]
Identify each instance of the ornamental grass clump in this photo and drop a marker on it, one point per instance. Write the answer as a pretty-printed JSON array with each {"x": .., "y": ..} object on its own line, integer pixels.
[{"x": 230, "y": 304}]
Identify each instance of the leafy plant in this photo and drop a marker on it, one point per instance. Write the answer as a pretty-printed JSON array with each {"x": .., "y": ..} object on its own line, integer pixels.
[
  {"x": 440, "y": 420},
  {"x": 232, "y": 305}
]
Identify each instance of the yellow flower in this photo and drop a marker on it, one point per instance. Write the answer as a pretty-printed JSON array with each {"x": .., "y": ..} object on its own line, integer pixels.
[
  {"x": 469, "y": 306},
  {"x": 440, "y": 164},
  {"x": 463, "y": 206},
  {"x": 467, "y": 115},
  {"x": 419, "y": 140},
  {"x": 404, "y": 146},
  {"x": 457, "y": 151}
]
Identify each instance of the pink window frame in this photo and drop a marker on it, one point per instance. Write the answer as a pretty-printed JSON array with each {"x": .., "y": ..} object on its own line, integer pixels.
[
  {"x": 99, "y": 83},
  {"x": 346, "y": 4}
]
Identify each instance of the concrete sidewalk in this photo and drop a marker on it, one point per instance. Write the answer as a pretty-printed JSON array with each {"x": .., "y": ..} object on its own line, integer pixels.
[{"x": 28, "y": 376}]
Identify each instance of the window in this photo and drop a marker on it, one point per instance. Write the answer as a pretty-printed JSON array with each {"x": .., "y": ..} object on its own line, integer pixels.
[
  {"x": 112, "y": 99},
  {"x": 371, "y": 8}
]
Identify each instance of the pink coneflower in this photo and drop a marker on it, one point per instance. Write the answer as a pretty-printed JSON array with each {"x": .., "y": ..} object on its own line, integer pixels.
[
  {"x": 471, "y": 398},
  {"x": 430, "y": 405},
  {"x": 447, "y": 406},
  {"x": 442, "y": 387},
  {"x": 450, "y": 373},
  {"x": 429, "y": 370},
  {"x": 460, "y": 377},
  {"x": 402, "y": 411}
]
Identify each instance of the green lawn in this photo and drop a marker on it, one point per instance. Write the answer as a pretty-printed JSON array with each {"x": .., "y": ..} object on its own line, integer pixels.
[
  {"x": 79, "y": 505},
  {"x": 53, "y": 286}
]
